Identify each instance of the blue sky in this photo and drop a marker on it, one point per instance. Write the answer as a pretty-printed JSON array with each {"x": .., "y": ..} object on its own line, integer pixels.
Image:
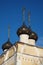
[{"x": 11, "y": 13}]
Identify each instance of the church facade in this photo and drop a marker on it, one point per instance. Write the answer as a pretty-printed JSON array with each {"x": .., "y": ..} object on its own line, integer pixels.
[{"x": 23, "y": 52}]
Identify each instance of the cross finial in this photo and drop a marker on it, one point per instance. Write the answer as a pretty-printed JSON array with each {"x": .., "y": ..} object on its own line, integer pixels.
[
  {"x": 8, "y": 31},
  {"x": 23, "y": 14},
  {"x": 29, "y": 13}
]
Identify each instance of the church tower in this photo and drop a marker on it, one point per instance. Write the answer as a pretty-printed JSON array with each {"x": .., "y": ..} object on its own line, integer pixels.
[
  {"x": 26, "y": 44},
  {"x": 23, "y": 52}
]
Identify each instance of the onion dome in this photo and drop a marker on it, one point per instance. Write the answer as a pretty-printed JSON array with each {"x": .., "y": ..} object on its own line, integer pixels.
[
  {"x": 6, "y": 45},
  {"x": 34, "y": 36},
  {"x": 23, "y": 30}
]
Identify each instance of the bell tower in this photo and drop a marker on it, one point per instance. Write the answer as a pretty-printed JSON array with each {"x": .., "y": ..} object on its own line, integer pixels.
[
  {"x": 23, "y": 32},
  {"x": 27, "y": 39}
]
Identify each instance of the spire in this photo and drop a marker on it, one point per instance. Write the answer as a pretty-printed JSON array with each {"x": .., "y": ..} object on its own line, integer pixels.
[
  {"x": 23, "y": 15},
  {"x": 23, "y": 29},
  {"x": 29, "y": 13},
  {"x": 8, "y": 31},
  {"x": 7, "y": 44}
]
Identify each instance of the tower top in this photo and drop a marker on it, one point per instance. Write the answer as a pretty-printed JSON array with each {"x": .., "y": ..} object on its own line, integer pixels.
[
  {"x": 33, "y": 36},
  {"x": 23, "y": 30},
  {"x": 7, "y": 44},
  {"x": 26, "y": 30}
]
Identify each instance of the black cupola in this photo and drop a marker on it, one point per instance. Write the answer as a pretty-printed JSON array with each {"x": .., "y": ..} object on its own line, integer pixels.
[
  {"x": 23, "y": 30},
  {"x": 33, "y": 35},
  {"x": 6, "y": 45}
]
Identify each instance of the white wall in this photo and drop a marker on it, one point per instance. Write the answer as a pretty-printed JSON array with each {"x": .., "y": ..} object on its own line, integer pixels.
[
  {"x": 24, "y": 38},
  {"x": 31, "y": 41}
]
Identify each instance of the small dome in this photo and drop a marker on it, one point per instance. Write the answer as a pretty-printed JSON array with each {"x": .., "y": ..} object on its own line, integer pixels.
[
  {"x": 6, "y": 45},
  {"x": 34, "y": 36},
  {"x": 23, "y": 30}
]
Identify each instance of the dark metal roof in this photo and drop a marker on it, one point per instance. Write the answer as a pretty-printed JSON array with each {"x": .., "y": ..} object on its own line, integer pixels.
[
  {"x": 23, "y": 30},
  {"x": 6, "y": 45},
  {"x": 34, "y": 36}
]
